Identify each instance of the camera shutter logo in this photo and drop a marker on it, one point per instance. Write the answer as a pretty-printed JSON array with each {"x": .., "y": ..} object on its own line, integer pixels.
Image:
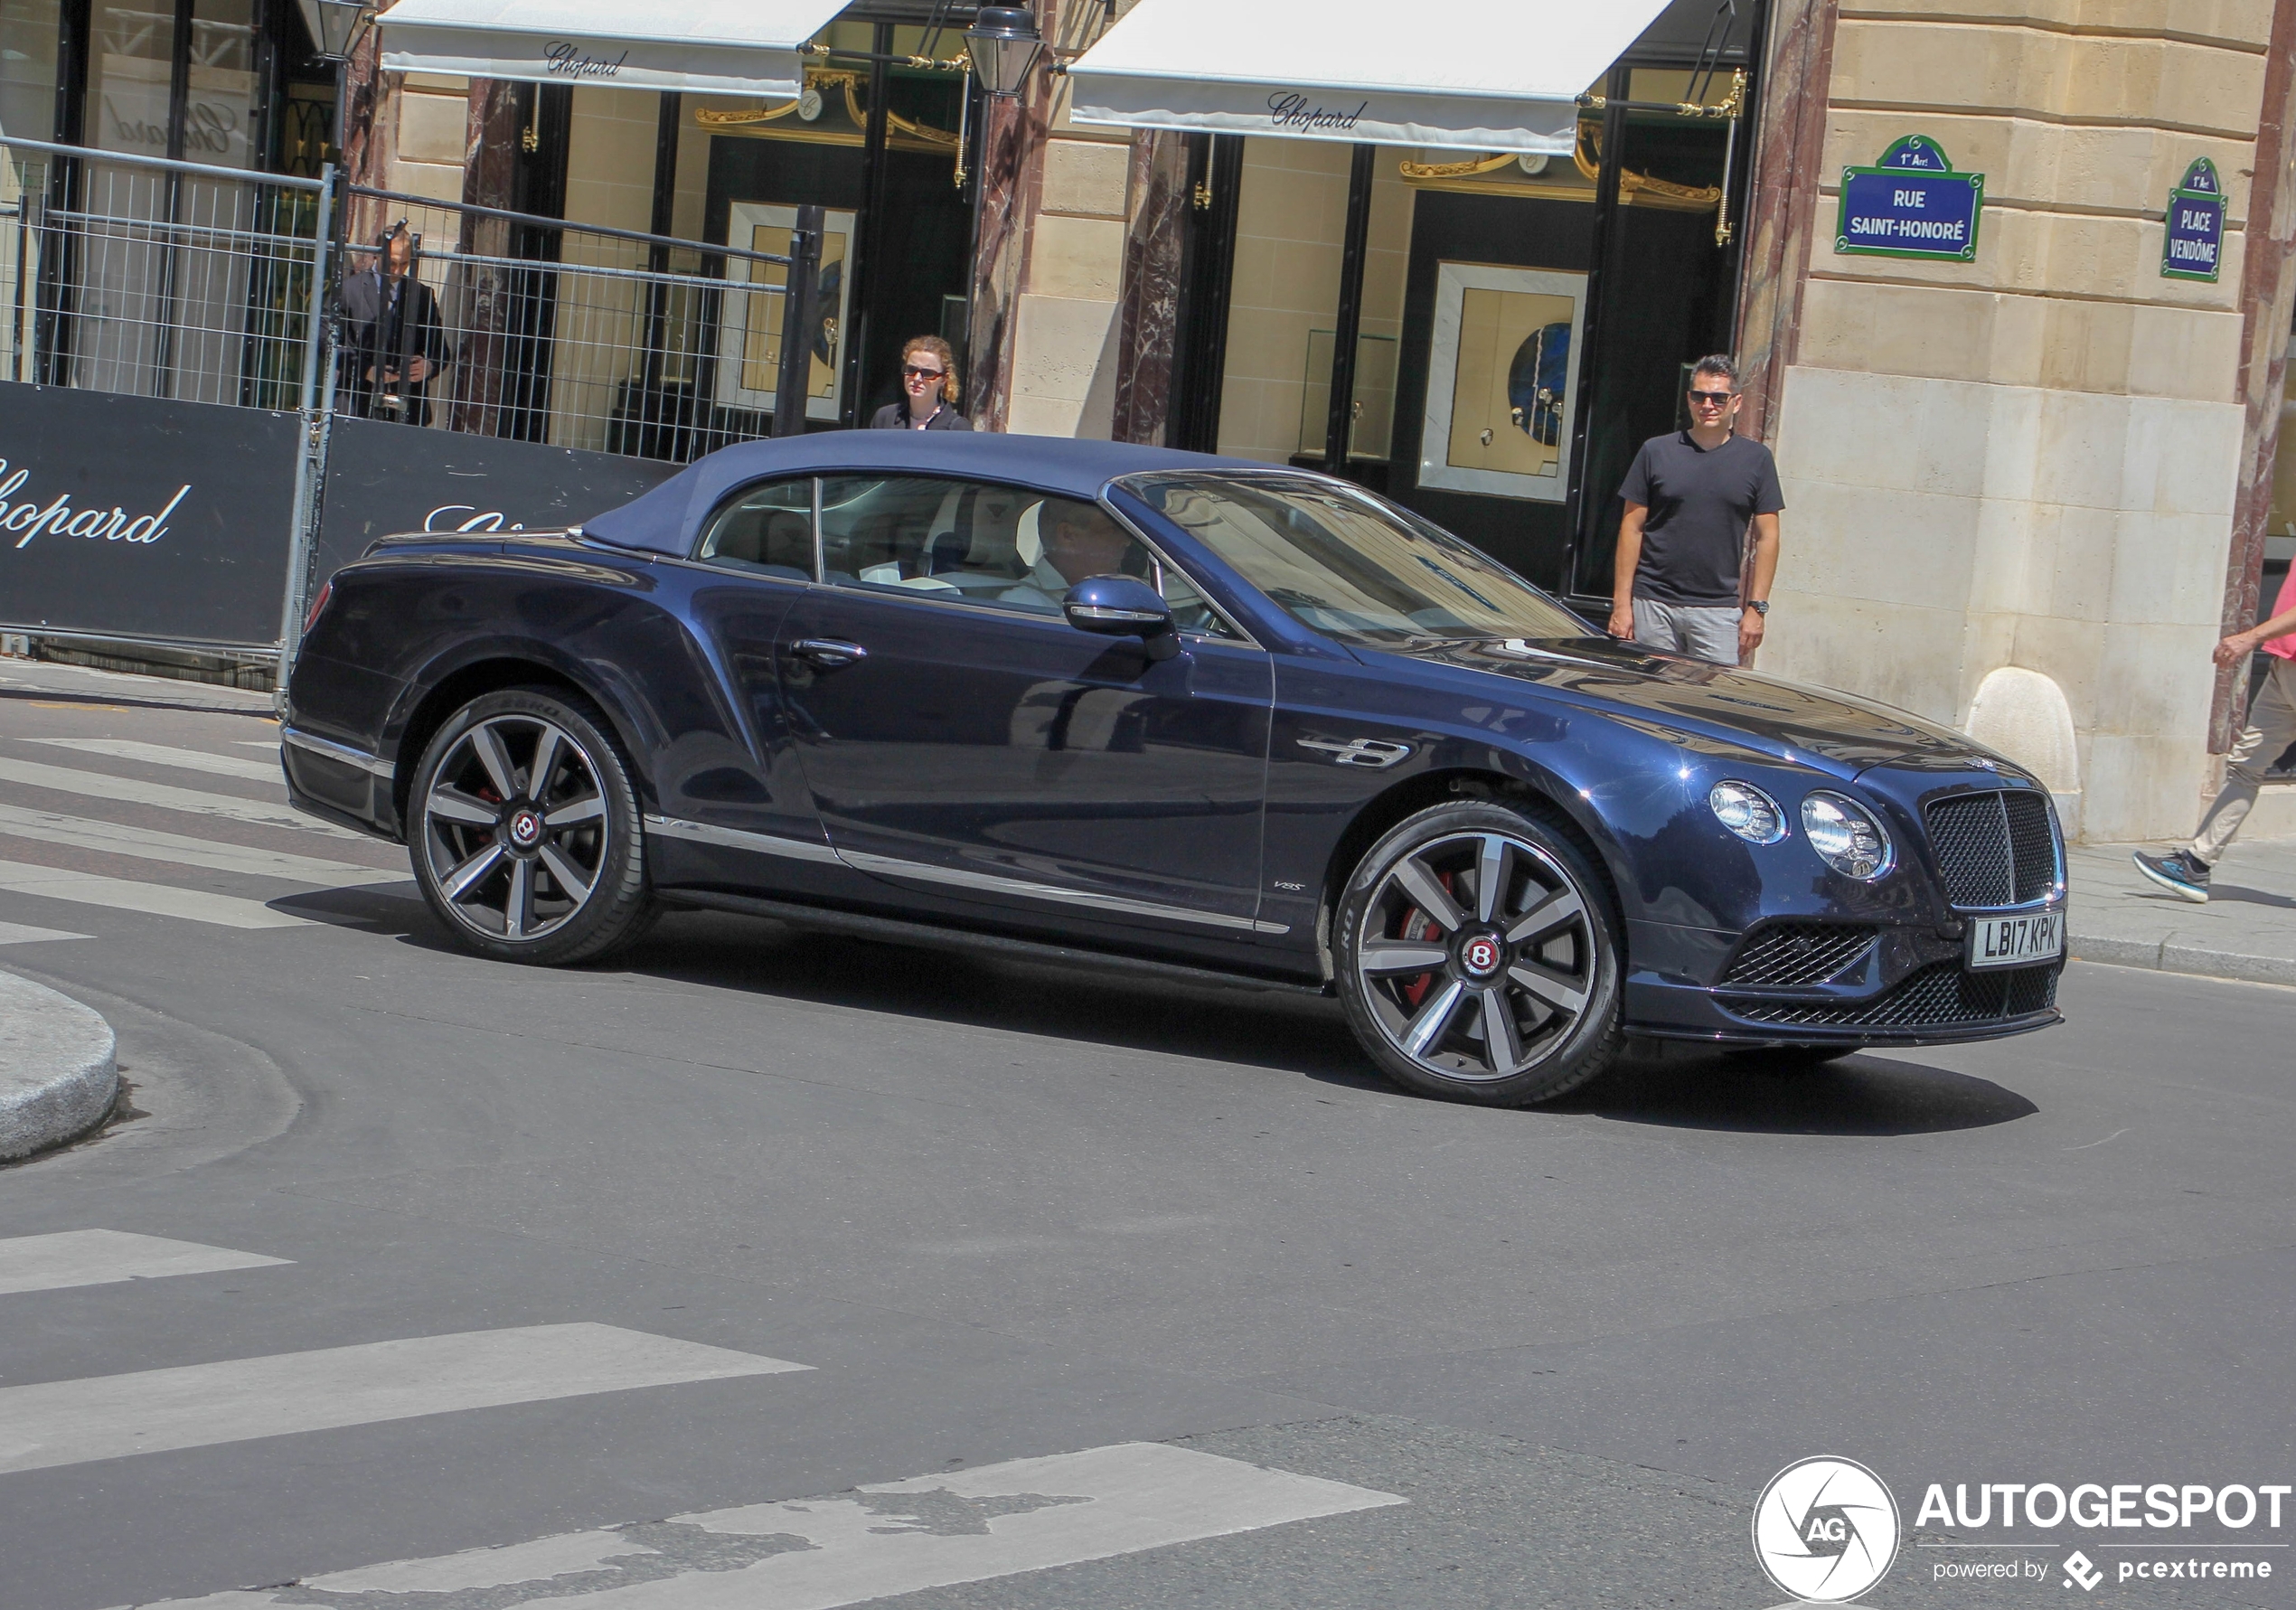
[{"x": 1825, "y": 1529}]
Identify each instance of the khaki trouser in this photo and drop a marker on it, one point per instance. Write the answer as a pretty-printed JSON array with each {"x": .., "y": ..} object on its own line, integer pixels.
[
  {"x": 2272, "y": 728},
  {"x": 1702, "y": 631}
]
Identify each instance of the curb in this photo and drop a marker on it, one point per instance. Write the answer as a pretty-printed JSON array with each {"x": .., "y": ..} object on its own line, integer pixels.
[
  {"x": 2165, "y": 956},
  {"x": 58, "y": 1068}
]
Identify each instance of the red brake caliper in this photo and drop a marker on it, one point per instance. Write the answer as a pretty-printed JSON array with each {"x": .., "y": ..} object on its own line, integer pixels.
[{"x": 1418, "y": 924}]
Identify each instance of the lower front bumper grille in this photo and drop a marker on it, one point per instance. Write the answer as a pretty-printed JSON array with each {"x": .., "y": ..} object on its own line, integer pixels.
[
  {"x": 1796, "y": 954},
  {"x": 1942, "y": 994}
]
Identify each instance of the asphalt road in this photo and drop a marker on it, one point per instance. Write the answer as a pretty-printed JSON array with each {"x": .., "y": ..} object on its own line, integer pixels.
[{"x": 762, "y": 1216}]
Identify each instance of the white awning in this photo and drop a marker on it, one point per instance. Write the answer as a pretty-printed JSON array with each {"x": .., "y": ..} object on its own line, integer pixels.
[
  {"x": 1483, "y": 75},
  {"x": 712, "y": 47}
]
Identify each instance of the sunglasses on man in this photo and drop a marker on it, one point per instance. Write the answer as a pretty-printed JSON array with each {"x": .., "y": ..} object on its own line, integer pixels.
[{"x": 1712, "y": 399}]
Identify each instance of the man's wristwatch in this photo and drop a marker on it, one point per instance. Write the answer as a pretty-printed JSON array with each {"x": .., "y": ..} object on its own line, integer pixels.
[{"x": 1759, "y": 605}]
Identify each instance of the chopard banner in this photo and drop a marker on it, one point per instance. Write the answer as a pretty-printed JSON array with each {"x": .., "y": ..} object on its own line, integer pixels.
[
  {"x": 142, "y": 518},
  {"x": 384, "y": 478}
]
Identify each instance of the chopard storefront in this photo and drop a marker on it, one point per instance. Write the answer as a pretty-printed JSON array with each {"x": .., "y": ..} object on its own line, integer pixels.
[{"x": 1462, "y": 254}]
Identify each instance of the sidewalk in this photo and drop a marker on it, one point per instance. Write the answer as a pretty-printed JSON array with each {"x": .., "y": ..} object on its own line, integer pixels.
[
  {"x": 2247, "y": 929},
  {"x": 28, "y": 679},
  {"x": 58, "y": 1071}
]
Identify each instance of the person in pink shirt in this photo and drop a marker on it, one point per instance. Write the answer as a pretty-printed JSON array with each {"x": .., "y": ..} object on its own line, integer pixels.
[{"x": 2272, "y": 728}]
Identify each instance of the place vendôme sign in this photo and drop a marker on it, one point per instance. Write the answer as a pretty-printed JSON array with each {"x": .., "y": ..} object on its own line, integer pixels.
[
  {"x": 1910, "y": 204},
  {"x": 2192, "y": 244}
]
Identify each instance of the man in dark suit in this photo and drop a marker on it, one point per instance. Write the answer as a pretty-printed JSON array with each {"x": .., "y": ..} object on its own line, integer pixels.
[{"x": 397, "y": 342}]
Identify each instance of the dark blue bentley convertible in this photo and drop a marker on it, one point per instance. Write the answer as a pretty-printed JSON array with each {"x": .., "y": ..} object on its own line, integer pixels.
[{"x": 1150, "y": 708}]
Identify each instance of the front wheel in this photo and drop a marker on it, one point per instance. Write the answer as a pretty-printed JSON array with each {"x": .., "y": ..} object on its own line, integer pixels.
[
  {"x": 524, "y": 831},
  {"x": 1478, "y": 959}
]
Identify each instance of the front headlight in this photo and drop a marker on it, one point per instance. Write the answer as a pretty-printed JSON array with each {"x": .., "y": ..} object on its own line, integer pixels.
[
  {"x": 1747, "y": 812},
  {"x": 1846, "y": 837}
]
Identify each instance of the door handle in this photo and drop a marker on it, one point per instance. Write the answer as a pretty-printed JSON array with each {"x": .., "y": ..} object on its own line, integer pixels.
[{"x": 828, "y": 653}]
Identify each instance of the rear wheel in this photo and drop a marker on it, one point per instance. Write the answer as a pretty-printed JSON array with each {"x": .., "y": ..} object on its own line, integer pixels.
[
  {"x": 524, "y": 831},
  {"x": 1478, "y": 959}
]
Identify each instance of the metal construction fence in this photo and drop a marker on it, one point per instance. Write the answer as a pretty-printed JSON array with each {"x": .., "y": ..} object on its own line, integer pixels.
[
  {"x": 214, "y": 325},
  {"x": 573, "y": 335}
]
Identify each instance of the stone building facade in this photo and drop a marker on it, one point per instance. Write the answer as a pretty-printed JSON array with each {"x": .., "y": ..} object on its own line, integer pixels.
[{"x": 2027, "y": 491}]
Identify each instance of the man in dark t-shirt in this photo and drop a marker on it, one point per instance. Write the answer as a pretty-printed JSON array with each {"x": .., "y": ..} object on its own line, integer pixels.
[{"x": 1680, "y": 582}]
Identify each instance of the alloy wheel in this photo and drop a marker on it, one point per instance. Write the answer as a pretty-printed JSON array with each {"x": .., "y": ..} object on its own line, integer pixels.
[
  {"x": 1477, "y": 956},
  {"x": 516, "y": 827}
]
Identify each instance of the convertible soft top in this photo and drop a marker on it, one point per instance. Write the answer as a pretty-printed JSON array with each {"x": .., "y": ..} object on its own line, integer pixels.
[{"x": 662, "y": 521}]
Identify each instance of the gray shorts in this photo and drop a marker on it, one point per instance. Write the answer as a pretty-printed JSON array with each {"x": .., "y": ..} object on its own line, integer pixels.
[{"x": 1702, "y": 631}]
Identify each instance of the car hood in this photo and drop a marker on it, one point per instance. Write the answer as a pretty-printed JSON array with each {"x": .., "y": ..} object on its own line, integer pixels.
[{"x": 1834, "y": 732}]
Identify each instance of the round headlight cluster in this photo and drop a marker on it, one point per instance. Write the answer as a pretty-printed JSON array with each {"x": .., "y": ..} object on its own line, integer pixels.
[
  {"x": 1747, "y": 812},
  {"x": 1846, "y": 837}
]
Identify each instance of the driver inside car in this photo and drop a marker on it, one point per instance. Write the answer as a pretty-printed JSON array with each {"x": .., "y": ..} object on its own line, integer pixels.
[{"x": 1079, "y": 543}]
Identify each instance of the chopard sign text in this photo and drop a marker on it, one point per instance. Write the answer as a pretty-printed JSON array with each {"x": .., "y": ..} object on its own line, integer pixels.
[
  {"x": 1292, "y": 111},
  {"x": 566, "y": 57},
  {"x": 463, "y": 517},
  {"x": 30, "y": 519}
]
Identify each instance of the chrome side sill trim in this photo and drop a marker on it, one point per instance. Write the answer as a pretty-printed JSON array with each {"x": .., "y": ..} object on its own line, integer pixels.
[
  {"x": 892, "y": 867},
  {"x": 731, "y": 838},
  {"x": 373, "y": 765},
  {"x": 958, "y": 877}
]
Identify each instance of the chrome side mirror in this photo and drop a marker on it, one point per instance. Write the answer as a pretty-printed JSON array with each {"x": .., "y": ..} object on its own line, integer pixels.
[{"x": 1123, "y": 606}]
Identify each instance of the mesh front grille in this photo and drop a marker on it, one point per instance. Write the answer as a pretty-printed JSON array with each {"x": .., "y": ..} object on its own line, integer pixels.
[
  {"x": 1993, "y": 849},
  {"x": 1792, "y": 955},
  {"x": 1940, "y": 996},
  {"x": 2031, "y": 846}
]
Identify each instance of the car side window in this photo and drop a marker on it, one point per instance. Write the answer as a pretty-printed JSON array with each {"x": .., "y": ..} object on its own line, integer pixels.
[
  {"x": 767, "y": 529},
  {"x": 979, "y": 543},
  {"x": 969, "y": 541}
]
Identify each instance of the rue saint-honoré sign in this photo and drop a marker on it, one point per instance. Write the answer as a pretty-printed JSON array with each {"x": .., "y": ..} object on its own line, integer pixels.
[
  {"x": 2192, "y": 246},
  {"x": 1910, "y": 203}
]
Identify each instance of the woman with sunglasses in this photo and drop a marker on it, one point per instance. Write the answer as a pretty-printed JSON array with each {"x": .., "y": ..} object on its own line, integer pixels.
[{"x": 929, "y": 391}]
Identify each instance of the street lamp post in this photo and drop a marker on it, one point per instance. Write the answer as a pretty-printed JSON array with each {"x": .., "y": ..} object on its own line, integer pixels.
[
  {"x": 1004, "y": 46},
  {"x": 335, "y": 28},
  {"x": 1003, "y": 43}
]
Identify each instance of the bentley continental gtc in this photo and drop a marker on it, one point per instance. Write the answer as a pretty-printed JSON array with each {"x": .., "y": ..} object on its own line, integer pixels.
[{"x": 1098, "y": 703}]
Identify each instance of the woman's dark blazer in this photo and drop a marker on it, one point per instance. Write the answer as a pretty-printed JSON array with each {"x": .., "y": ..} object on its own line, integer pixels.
[{"x": 892, "y": 416}]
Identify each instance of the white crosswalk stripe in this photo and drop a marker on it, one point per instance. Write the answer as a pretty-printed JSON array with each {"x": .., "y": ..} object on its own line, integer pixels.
[
  {"x": 152, "y": 900},
  {"x": 888, "y": 1539},
  {"x": 160, "y": 754},
  {"x": 24, "y": 932},
  {"x": 112, "y": 1417},
  {"x": 877, "y": 1542},
  {"x": 113, "y": 838},
  {"x": 105, "y": 1256},
  {"x": 99, "y": 785}
]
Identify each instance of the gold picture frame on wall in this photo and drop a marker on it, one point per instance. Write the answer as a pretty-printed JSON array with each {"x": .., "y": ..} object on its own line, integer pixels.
[
  {"x": 1502, "y": 380},
  {"x": 749, "y": 336}
]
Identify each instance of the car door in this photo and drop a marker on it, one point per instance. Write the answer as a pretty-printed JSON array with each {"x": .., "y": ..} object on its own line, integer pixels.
[
  {"x": 962, "y": 740},
  {"x": 737, "y": 812}
]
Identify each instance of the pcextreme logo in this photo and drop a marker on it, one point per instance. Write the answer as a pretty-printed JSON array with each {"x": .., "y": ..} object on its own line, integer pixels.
[{"x": 1825, "y": 1529}]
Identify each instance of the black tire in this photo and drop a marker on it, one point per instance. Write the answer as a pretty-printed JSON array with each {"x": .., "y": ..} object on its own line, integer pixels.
[
  {"x": 501, "y": 855},
  {"x": 1552, "y": 988}
]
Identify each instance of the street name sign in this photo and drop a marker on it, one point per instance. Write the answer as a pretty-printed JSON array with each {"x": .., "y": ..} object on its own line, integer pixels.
[
  {"x": 2192, "y": 247},
  {"x": 1911, "y": 204}
]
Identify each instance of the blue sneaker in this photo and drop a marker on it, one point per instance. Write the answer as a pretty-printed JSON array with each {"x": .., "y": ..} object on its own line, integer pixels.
[{"x": 2181, "y": 874}]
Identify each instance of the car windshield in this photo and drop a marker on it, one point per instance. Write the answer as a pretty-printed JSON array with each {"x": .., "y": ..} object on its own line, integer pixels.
[{"x": 1345, "y": 564}]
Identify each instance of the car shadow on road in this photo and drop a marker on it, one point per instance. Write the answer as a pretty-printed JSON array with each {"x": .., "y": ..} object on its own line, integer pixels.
[
  {"x": 1682, "y": 1087},
  {"x": 1690, "y": 1087},
  {"x": 1281, "y": 1030}
]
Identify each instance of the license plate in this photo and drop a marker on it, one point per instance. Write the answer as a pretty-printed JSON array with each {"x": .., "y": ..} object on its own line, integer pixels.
[{"x": 2016, "y": 941}]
